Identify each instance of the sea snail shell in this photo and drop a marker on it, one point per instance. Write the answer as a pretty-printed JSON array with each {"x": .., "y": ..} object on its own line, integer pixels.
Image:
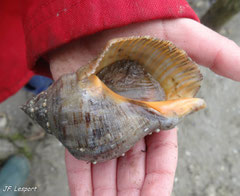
[{"x": 97, "y": 124}]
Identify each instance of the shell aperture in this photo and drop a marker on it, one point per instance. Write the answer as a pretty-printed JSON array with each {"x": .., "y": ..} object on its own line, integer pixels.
[
  {"x": 136, "y": 85},
  {"x": 129, "y": 79}
]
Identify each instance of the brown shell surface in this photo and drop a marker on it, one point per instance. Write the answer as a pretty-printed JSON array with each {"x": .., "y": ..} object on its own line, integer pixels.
[
  {"x": 99, "y": 127},
  {"x": 98, "y": 123}
]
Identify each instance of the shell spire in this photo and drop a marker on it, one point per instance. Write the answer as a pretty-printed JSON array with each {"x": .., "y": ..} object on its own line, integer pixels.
[{"x": 36, "y": 108}]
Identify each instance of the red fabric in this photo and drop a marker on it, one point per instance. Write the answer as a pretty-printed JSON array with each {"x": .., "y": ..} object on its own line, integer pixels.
[
  {"x": 13, "y": 70},
  {"x": 48, "y": 24}
]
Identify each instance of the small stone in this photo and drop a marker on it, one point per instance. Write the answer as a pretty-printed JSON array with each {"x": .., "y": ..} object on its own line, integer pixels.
[
  {"x": 6, "y": 149},
  {"x": 3, "y": 120},
  {"x": 222, "y": 168},
  {"x": 112, "y": 145},
  {"x": 81, "y": 149},
  {"x": 47, "y": 124},
  {"x": 176, "y": 179},
  {"x": 150, "y": 133},
  {"x": 145, "y": 130},
  {"x": 157, "y": 130},
  {"x": 199, "y": 4},
  {"x": 187, "y": 153},
  {"x": 191, "y": 168},
  {"x": 235, "y": 151},
  {"x": 44, "y": 104},
  {"x": 234, "y": 180},
  {"x": 210, "y": 191},
  {"x": 32, "y": 110},
  {"x": 108, "y": 136},
  {"x": 223, "y": 31},
  {"x": 94, "y": 162},
  {"x": 45, "y": 111},
  {"x": 123, "y": 154}
]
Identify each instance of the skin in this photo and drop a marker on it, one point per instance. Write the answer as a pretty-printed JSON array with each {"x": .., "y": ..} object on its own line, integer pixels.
[{"x": 152, "y": 172}]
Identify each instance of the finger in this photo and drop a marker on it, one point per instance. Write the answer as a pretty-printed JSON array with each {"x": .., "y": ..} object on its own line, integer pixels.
[
  {"x": 79, "y": 176},
  {"x": 131, "y": 171},
  {"x": 161, "y": 163},
  {"x": 205, "y": 46},
  {"x": 104, "y": 178},
  {"x": 202, "y": 44}
]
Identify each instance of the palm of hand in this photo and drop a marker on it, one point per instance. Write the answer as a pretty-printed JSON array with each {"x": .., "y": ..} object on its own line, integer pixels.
[
  {"x": 152, "y": 172},
  {"x": 148, "y": 169}
]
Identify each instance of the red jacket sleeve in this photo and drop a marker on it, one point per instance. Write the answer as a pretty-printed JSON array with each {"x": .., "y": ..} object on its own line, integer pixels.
[
  {"x": 48, "y": 24},
  {"x": 13, "y": 70}
]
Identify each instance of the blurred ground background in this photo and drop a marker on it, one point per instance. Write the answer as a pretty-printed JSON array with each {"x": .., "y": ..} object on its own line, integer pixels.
[{"x": 209, "y": 145}]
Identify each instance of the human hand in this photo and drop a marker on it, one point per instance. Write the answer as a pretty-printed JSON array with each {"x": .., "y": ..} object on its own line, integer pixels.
[{"x": 152, "y": 172}]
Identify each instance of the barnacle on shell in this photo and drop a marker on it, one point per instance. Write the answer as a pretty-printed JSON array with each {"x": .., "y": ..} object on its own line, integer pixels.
[{"x": 137, "y": 85}]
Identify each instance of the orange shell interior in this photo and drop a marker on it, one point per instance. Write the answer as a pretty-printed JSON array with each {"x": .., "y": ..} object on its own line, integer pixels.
[{"x": 177, "y": 74}]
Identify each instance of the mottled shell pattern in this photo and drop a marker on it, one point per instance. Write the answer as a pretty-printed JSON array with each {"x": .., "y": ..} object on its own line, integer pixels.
[{"x": 136, "y": 86}]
